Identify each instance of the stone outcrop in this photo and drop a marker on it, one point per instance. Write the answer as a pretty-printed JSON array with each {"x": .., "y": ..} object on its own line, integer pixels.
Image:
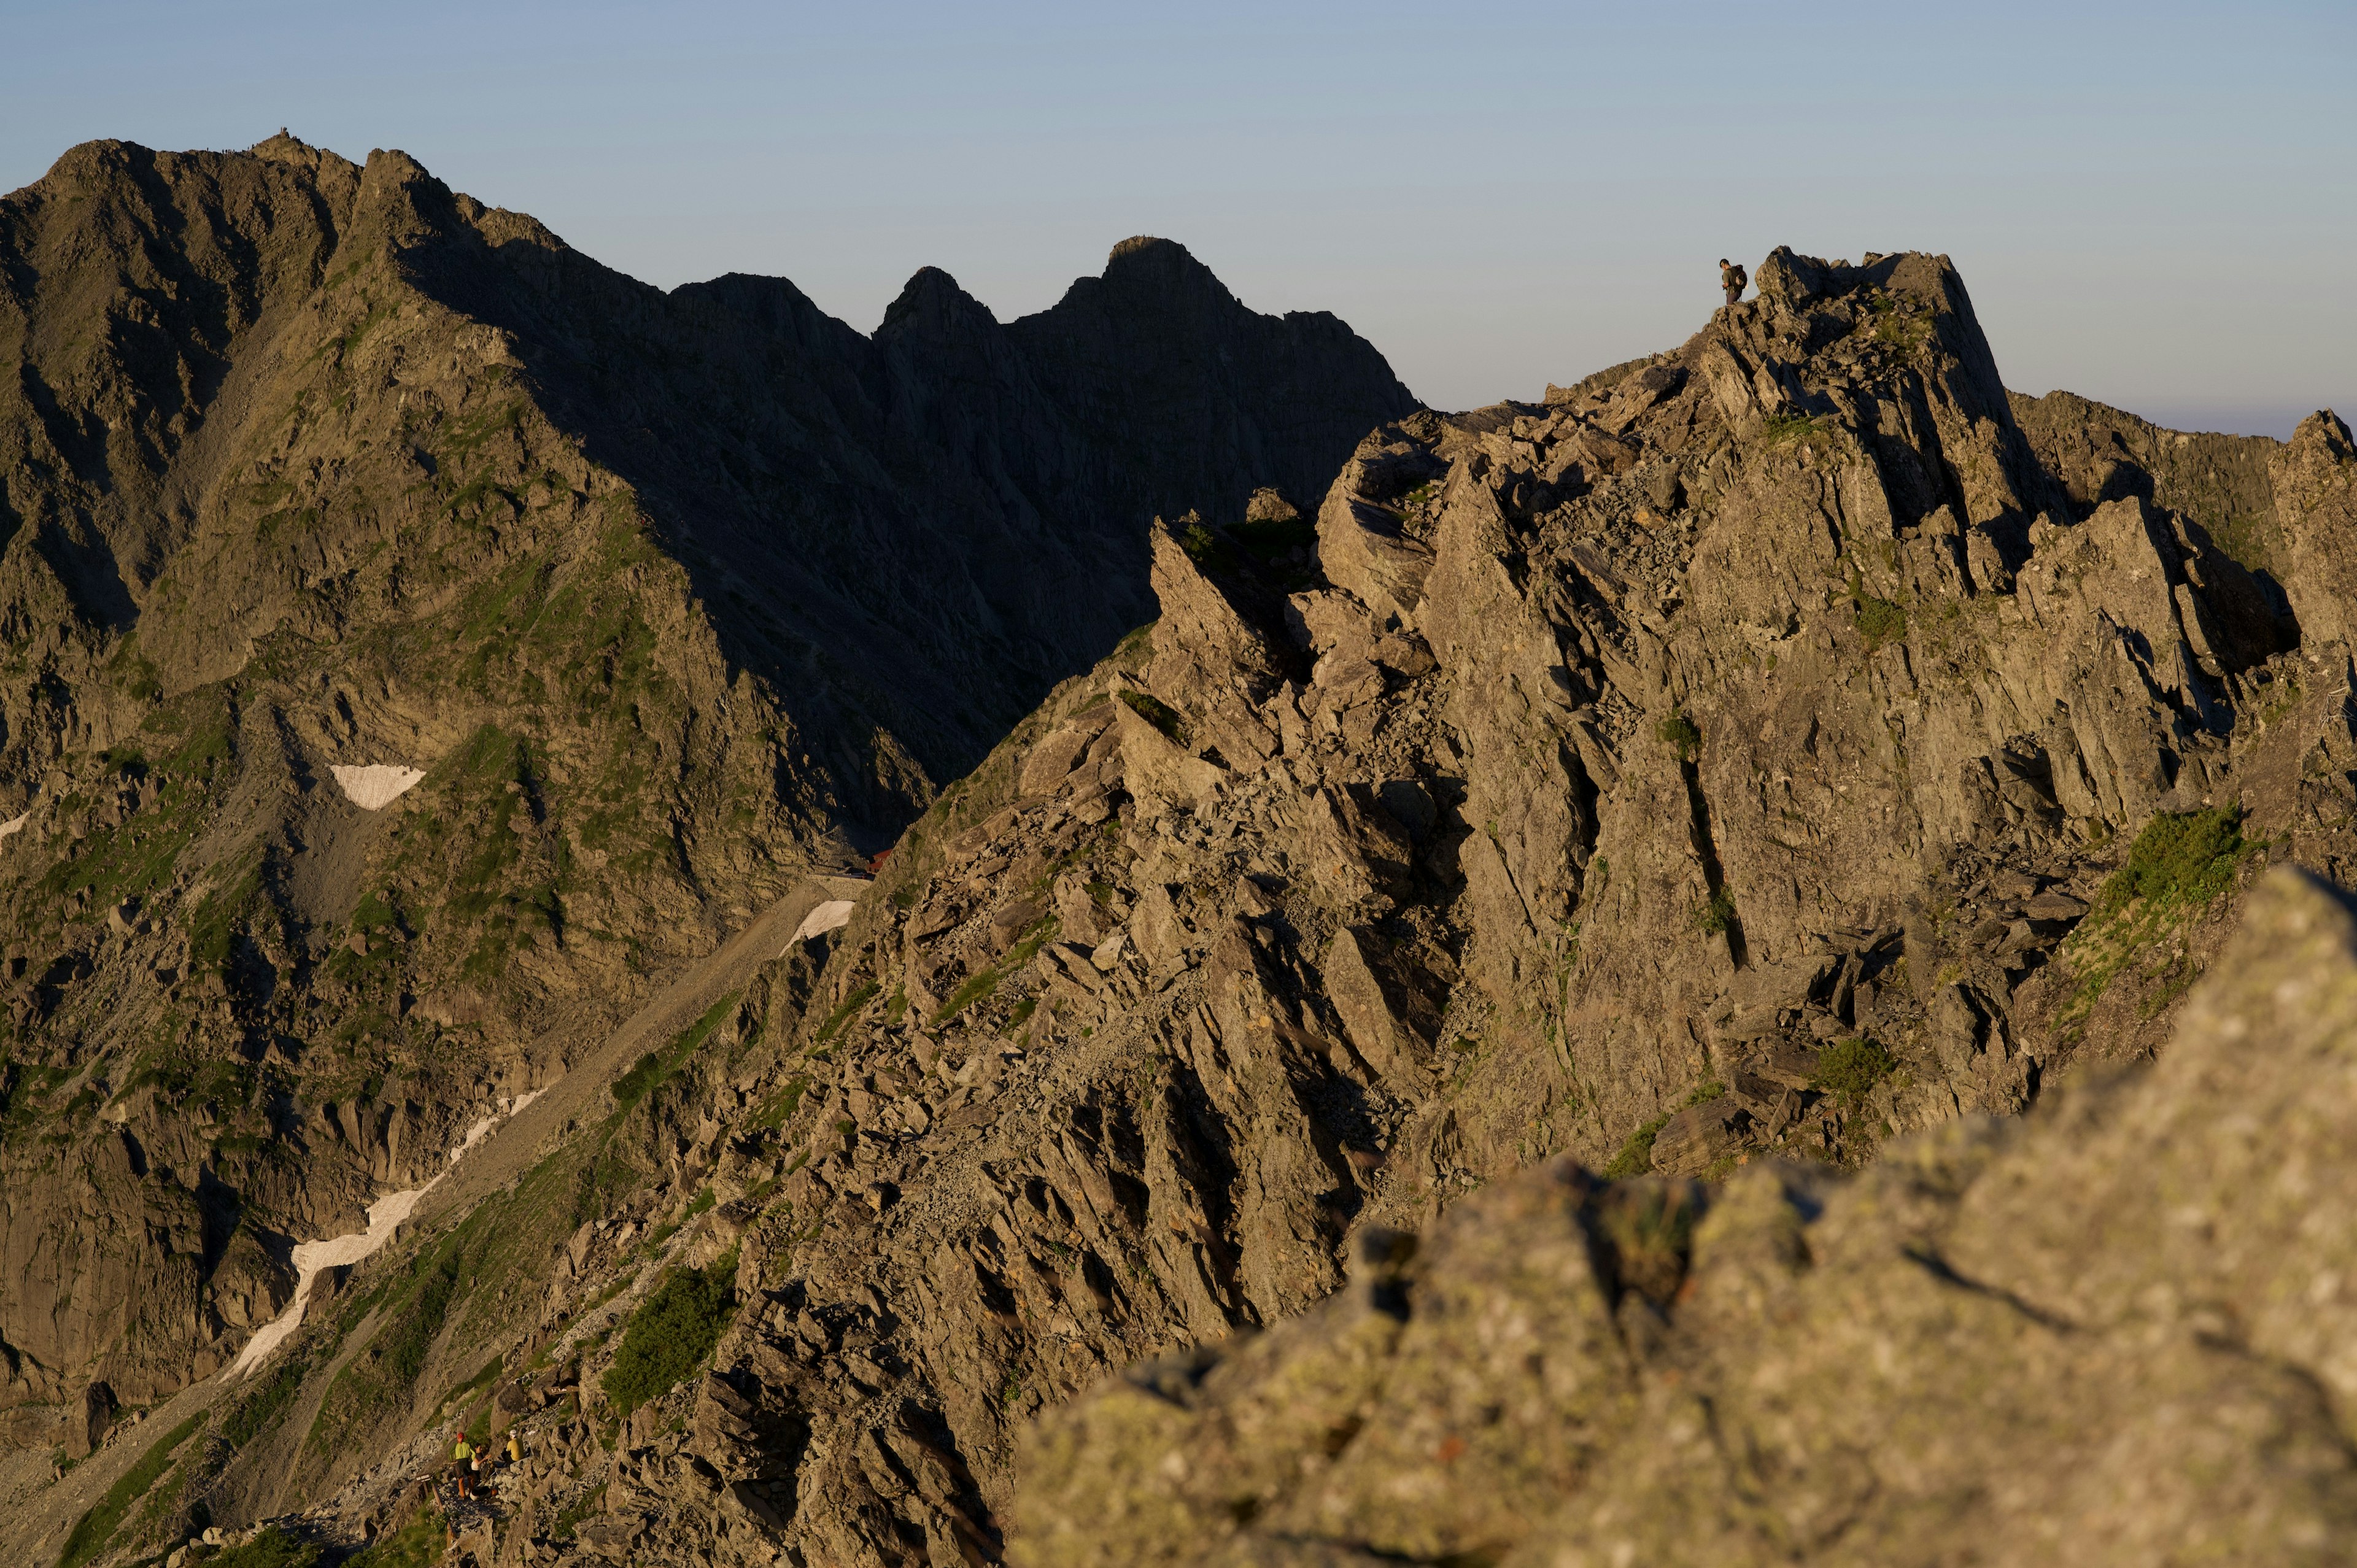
[{"x": 2114, "y": 1334}]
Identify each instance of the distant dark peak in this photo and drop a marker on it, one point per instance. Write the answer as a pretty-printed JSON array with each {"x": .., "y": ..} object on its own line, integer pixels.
[
  {"x": 769, "y": 300},
  {"x": 1144, "y": 257},
  {"x": 1144, "y": 274},
  {"x": 931, "y": 304}
]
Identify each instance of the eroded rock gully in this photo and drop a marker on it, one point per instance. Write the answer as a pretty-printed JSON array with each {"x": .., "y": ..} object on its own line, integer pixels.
[{"x": 1752, "y": 775}]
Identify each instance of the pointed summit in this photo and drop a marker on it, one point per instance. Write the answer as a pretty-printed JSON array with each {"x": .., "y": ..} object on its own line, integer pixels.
[{"x": 931, "y": 304}]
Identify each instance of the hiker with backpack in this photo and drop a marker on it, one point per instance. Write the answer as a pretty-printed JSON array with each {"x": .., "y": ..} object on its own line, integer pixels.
[{"x": 1733, "y": 278}]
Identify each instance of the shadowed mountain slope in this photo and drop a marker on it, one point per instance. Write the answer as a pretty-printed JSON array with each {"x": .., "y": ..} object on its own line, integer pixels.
[{"x": 654, "y": 600}]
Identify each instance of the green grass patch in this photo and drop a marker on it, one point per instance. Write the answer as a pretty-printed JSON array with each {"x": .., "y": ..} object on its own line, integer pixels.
[
  {"x": 1717, "y": 914},
  {"x": 473, "y": 1286},
  {"x": 673, "y": 1334},
  {"x": 2178, "y": 865},
  {"x": 981, "y": 985},
  {"x": 273, "y": 1548},
  {"x": 843, "y": 1014},
  {"x": 417, "y": 1545},
  {"x": 483, "y": 1379},
  {"x": 650, "y": 1071},
  {"x": 96, "y": 1528},
  {"x": 1156, "y": 711},
  {"x": 1636, "y": 1156},
  {"x": 976, "y": 986},
  {"x": 1878, "y": 620},
  {"x": 778, "y": 1109},
  {"x": 1791, "y": 429},
  {"x": 259, "y": 1405}
]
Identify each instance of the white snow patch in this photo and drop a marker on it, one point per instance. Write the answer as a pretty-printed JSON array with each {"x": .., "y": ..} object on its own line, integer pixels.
[
  {"x": 481, "y": 1129},
  {"x": 14, "y": 824},
  {"x": 830, "y": 916},
  {"x": 378, "y": 785},
  {"x": 384, "y": 1215}
]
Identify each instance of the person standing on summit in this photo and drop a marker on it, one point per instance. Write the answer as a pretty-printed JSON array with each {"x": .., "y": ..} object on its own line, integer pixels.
[{"x": 1732, "y": 278}]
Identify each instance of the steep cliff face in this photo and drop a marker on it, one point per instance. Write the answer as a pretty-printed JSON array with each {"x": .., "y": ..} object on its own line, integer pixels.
[
  {"x": 418, "y": 637},
  {"x": 1756, "y": 757}
]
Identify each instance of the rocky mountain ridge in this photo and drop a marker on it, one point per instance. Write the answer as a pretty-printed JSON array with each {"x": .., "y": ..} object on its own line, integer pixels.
[
  {"x": 1757, "y": 765},
  {"x": 651, "y": 603}
]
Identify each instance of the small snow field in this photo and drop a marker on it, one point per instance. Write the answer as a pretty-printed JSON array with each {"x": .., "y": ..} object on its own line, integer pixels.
[
  {"x": 831, "y": 916},
  {"x": 384, "y": 1217},
  {"x": 377, "y": 785}
]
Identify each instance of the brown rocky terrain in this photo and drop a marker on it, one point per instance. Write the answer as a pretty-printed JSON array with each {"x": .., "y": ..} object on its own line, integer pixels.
[
  {"x": 2117, "y": 1333},
  {"x": 1652, "y": 843},
  {"x": 669, "y": 598}
]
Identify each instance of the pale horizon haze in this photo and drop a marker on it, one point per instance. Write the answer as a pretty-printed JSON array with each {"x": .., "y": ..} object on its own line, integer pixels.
[{"x": 2152, "y": 206}]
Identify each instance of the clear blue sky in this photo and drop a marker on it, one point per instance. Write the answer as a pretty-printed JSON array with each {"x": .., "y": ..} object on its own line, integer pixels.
[{"x": 2154, "y": 205}]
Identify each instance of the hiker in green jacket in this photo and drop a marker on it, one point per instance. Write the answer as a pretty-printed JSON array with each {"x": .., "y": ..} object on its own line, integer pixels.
[
  {"x": 462, "y": 1454},
  {"x": 1732, "y": 278}
]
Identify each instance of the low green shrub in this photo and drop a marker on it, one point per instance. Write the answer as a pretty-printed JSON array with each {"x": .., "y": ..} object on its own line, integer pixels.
[
  {"x": 1849, "y": 1070},
  {"x": 1636, "y": 1156},
  {"x": 417, "y": 1545},
  {"x": 2179, "y": 864},
  {"x": 2179, "y": 861},
  {"x": 1878, "y": 620},
  {"x": 673, "y": 1334},
  {"x": 1789, "y": 429},
  {"x": 1273, "y": 537},
  {"x": 1678, "y": 733},
  {"x": 1206, "y": 549}
]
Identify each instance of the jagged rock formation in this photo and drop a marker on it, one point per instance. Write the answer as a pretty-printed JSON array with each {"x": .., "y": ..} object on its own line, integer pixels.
[
  {"x": 2117, "y": 1333},
  {"x": 1646, "y": 750},
  {"x": 1753, "y": 753},
  {"x": 306, "y": 464}
]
